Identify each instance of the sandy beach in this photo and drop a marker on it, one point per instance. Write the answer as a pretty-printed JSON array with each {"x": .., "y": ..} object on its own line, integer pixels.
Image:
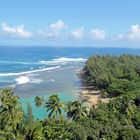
[{"x": 92, "y": 96}]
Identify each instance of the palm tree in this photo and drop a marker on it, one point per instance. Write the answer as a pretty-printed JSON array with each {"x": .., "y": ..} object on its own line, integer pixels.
[
  {"x": 39, "y": 101},
  {"x": 76, "y": 110},
  {"x": 54, "y": 107},
  {"x": 6, "y": 135},
  {"x": 11, "y": 113}
]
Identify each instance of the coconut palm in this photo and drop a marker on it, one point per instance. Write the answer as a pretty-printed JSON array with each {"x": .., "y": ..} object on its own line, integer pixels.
[
  {"x": 39, "y": 101},
  {"x": 54, "y": 107},
  {"x": 76, "y": 110},
  {"x": 11, "y": 113},
  {"x": 6, "y": 136}
]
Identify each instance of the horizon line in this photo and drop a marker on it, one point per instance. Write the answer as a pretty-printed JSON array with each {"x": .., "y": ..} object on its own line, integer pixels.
[{"x": 68, "y": 46}]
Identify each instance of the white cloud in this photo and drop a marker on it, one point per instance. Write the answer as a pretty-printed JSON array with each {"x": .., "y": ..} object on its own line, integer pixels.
[
  {"x": 15, "y": 31},
  {"x": 134, "y": 32},
  {"x": 98, "y": 34},
  {"x": 78, "y": 33},
  {"x": 57, "y": 26},
  {"x": 53, "y": 30},
  {"x": 132, "y": 35}
]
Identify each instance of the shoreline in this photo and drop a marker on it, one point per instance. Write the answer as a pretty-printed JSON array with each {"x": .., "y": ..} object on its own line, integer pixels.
[
  {"x": 89, "y": 94},
  {"x": 92, "y": 96}
]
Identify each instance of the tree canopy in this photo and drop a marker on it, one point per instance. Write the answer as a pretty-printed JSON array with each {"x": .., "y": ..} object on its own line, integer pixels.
[
  {"x": 114, "y": 74},
  {"x": 117, "y": 120}
]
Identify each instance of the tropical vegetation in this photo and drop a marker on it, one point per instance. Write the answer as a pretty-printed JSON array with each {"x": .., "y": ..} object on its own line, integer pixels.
[{"x": 118, "y": 76}]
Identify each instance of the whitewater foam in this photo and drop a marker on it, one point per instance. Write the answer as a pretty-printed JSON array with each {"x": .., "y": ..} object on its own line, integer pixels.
[
  {"x": 22, "y": 80},
  {"x": 63, "y": 60},
  {"x": 29, "y": 72},
  {"x": 18, "y": 62},
  {"x": 36, "y": 80}
]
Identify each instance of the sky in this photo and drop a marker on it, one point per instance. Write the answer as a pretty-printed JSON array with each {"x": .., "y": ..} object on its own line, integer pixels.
[{"x": 97, "y": 23}]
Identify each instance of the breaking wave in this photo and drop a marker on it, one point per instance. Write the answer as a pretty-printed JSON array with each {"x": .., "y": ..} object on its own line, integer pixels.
[
  {"x": 63, "y": 60},
  {"x": 60, "y": 60},
  {"x": 18, "y": 62},
  {"x": 26, "y": 79},
  {"x": 29, "y": 72},
  {"x": 22, "y": 80}
]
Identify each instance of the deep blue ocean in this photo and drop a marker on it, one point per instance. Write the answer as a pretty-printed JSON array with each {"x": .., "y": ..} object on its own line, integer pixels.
[{"x": 34, "y": 71}]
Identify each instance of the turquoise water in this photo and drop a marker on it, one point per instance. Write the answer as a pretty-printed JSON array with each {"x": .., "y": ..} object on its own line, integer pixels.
[{"x": 39, "y": 112}]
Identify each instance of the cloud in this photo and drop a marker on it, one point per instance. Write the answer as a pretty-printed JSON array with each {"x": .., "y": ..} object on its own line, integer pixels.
[
  {"x": 53, "y": 31},
  {"x": 15, "y": 31},
  {"x": 97, "y": 34},
  {"x": 77, "y": 33},
  {"x": 57, "y": 26},
  {"x": 132, "y": 35}
]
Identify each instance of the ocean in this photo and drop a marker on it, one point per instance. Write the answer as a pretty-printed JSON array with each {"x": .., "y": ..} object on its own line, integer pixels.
[{"x": 43, "y": 71}]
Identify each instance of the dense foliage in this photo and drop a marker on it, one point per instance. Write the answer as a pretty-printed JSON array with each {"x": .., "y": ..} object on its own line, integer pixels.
[
  {"x": 117, "y": 120},
  {"x": 114, "y": 74}
]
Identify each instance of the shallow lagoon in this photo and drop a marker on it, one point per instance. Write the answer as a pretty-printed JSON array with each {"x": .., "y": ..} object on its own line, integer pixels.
[{"x": 62, "y": 81}]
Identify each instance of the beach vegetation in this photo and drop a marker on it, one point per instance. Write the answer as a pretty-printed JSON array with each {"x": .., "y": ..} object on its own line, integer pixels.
[{"x": 119, "y": 119}]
